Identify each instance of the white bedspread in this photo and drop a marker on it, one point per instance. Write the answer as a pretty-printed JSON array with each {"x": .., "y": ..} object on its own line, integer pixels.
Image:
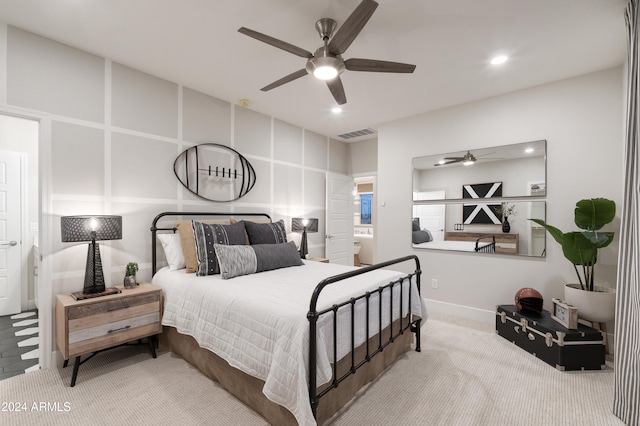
[
  {"x": 449, "y": 245},
  {"x": 258, "y": 324}
]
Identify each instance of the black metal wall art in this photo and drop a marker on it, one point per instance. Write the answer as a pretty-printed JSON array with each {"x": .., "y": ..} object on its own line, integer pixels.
[{"x": 214, "y": 172}]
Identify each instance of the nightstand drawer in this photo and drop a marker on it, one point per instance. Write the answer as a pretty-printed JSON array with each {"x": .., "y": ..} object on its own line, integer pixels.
[
  {"x": 109, "y": 307},
  {"x": 111, "y": 328},
  {"x": 112, "y": 334},
  {"x": 95, "y": 315}
]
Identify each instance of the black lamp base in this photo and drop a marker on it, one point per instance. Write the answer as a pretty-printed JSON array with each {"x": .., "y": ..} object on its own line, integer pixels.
[
  {"x": 93, "y": 276},
  {"x": 303, "y": 244}
]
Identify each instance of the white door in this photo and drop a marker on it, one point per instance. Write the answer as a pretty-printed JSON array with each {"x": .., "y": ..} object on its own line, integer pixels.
[
  {"x": 432, "y": 216},
  {"x": 10, "y": 230},
  {"x": 339, "y": 221}
]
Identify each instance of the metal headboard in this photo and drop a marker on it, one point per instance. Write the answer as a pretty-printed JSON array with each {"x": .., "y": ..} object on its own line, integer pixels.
[{"x": 155, "y": 228}]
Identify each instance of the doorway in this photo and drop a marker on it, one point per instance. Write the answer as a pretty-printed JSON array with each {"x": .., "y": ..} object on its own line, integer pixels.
[
  {"x": 19, "y": 244},
  {"x": 364, "y": 219}
]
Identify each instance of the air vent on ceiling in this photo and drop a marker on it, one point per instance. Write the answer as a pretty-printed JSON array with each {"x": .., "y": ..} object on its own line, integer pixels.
[{"x": 357, "y": 133}]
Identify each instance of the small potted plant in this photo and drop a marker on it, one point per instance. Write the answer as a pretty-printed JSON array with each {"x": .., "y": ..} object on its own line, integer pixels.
[
  {"x": 130, "y": 275},
  {"x": 581, "y": 249}
]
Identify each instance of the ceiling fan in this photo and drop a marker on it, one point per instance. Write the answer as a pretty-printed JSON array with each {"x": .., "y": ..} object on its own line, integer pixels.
[
  {"x": 327, "y": 63},
  {"x": 467, "y": 160}
]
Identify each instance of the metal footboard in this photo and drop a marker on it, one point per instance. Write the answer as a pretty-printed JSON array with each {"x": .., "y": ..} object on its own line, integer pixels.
[
  {"x": 412, "y": 324},
  {"x": 486, "y": 248}
]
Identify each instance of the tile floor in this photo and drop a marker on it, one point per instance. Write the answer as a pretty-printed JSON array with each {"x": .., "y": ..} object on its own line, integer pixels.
[{"x": 18, "y": 344}]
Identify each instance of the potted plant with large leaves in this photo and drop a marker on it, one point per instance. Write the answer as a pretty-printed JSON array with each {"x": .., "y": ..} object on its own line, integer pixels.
[{"x": 594, "y": 303}]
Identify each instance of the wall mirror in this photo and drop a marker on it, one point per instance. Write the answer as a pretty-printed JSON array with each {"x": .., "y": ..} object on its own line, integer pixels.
[
  {"x": 461, "y": 200},
  {"x": 457, "y": 175}
]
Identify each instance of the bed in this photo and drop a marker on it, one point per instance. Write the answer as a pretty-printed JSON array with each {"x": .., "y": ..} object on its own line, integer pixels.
[{"x": 295, "y": 343}]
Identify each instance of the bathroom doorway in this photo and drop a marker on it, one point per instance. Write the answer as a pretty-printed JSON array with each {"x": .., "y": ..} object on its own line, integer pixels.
[
  {"x": 19, "y": 245},
  {"x": 364, "y": 219}
]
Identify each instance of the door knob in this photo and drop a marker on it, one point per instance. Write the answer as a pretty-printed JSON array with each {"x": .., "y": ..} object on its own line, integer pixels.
[{"x": 9, "y": 243}]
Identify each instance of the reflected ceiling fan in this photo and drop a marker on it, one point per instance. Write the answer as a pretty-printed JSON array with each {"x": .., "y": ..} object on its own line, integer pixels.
[
  {"x": 467, "y": 160},
  {"x": 327, "y": 63}
]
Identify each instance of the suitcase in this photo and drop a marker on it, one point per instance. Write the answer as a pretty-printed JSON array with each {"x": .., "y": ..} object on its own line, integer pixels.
[{"x": 540, "y": 335}]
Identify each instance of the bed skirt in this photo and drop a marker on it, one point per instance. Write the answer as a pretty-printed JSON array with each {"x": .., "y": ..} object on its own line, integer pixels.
[{"x": 248, "y": 389}]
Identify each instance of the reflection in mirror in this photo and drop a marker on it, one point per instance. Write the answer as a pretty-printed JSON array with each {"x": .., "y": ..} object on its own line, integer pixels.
[
  {"x": 481, "y": 227},
  {"x": 514, "y": 166}
]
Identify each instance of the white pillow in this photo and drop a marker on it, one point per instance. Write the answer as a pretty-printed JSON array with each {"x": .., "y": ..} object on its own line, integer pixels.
[{"x": 172, "y": 250}]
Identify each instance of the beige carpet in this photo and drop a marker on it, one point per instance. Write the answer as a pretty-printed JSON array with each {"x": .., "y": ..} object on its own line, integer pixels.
[{"x": 464, "y": 376}]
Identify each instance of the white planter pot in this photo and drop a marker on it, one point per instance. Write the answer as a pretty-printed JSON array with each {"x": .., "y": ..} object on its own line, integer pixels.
[{"x": 594, "y": 306}]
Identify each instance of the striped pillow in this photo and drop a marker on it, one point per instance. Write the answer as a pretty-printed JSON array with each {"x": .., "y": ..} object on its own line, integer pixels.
[
  {"x": 244, "y": 260},
  {"x": 266, "y": 233},
  {"x": 206, "y": 235}
]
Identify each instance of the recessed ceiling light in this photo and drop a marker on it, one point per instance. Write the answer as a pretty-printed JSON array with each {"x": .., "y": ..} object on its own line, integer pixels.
[
  {"x": 528, "y": 150},
  {"x": 499, "y": 60},
  {"x": 336, "y": 110}
]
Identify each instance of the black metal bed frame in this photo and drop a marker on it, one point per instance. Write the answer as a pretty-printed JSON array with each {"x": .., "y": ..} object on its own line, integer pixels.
[
  {"x": 411, "y": 324},
  {"x": 487, "y": 248}
]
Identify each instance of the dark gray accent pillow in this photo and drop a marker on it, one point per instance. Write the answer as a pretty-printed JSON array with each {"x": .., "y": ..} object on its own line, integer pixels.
[
  {"x": 266, "y": 233},
  {"x": 421, "y": 237},
  {"x": 415, "y": 224},
  {"x": 244, "y": 260},
  {"x": 206, "y": 235}
]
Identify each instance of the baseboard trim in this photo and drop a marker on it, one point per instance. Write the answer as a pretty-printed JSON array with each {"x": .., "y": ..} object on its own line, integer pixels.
[
  {"x": 461, "y": 311},
  {"x": 31, "y": 305}
]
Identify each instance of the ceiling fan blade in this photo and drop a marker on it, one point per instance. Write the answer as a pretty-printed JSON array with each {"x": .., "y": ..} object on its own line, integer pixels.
[
  {"x": 337, "y": 90},
  {"x": 372, "y": 65},
  {"x": 453, "y": 158},
  {"x": 352, "y": 27},
  {"x": 447, "y": 162},
  {"x": 276, "y": 43},
  {"x": 285, "y": 79}
]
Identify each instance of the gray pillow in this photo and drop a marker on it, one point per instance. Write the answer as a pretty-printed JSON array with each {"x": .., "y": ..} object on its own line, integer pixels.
[
  {"x": 266, "y": 233},
  {"x": 419, "y": 237},
  {"x": 244, "y": 260},
  {"x": 415, "y": 224},
  {"x": 206, "y": 235}
]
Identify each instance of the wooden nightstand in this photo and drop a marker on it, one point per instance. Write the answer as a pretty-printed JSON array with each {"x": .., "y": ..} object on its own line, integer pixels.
[
  {"x": 92, "y": 325},
  {"x": 319, "y": 259}
]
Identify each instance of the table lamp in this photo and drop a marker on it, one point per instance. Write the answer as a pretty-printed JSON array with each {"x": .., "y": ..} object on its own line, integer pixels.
[
  {"x": 91, "y": 228},
  {"x": 305, "y": 225}
]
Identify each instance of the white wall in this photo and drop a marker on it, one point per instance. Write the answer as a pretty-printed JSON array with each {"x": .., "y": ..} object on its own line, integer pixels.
[
  {"x": 582, "y": 120},
  {"x": 363, "y": 156}
]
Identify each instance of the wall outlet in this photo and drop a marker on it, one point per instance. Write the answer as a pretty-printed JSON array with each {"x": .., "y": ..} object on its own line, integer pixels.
[{"x": 434, "y": 283}]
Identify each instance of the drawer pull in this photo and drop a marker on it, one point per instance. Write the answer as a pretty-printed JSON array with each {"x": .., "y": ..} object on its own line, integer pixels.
[
  {"x": 119, "y": 329},
  {"x": 530, "y": 336},
  {"x": 118, "y": 308}
]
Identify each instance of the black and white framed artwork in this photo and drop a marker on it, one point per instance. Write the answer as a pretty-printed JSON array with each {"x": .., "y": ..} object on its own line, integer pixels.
[{"x": 481, "y": 211}]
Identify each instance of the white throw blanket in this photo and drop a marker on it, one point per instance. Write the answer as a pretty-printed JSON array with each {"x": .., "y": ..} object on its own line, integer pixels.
[{"x": 258, "y": 323}]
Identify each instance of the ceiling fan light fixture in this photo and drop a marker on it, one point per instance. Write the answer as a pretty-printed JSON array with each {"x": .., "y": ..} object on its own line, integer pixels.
[
  {"x": 468, "y": 159},
  {"x": 325, "y": 72},
  {"x": 325, "y": 67},
  {"x": 498, "y": 60}
]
